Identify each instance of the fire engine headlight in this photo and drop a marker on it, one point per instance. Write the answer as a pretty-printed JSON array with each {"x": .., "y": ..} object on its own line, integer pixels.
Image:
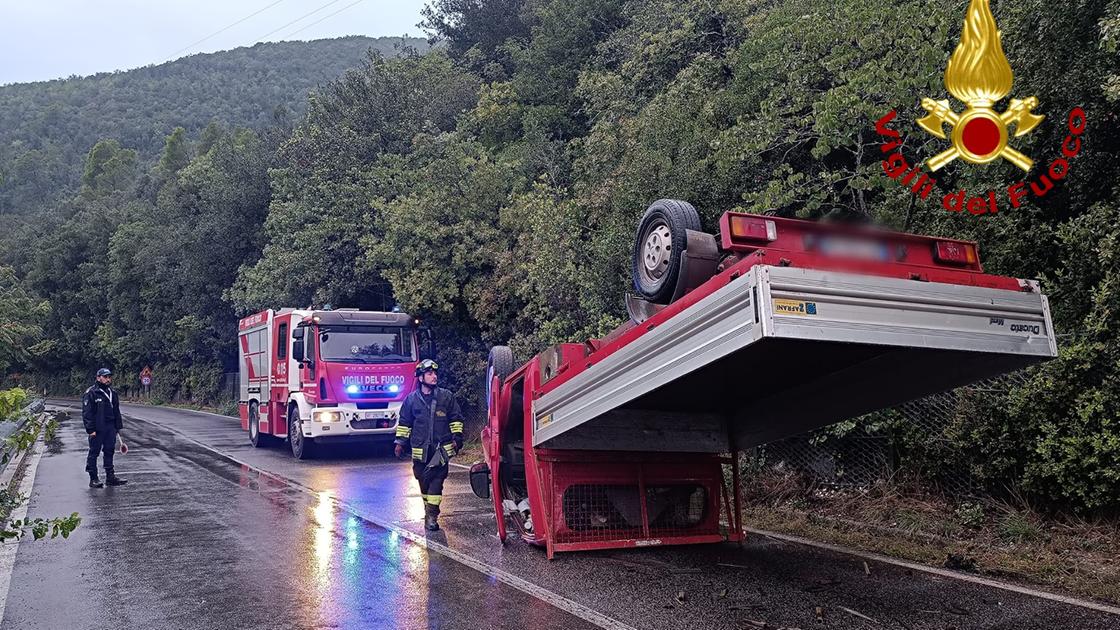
[
  {"x": 394, "y": 388},
  {"x": 351, "y": 389},
  {"x": 327, "y": 416}
]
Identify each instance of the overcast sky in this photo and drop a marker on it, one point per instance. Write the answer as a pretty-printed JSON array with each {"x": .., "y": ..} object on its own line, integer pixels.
[{"x": 50, "y": 39}]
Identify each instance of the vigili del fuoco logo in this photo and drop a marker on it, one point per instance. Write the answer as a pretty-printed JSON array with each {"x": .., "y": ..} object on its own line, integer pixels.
[{"x": 979, "y": 75}]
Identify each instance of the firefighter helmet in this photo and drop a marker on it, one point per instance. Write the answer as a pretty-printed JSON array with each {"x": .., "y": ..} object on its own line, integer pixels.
[
  {"x": 427, "y": 365},
  {"x": 104, "y": 372}
]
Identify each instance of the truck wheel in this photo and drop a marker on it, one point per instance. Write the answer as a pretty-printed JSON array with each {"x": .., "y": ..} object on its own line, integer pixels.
[
  {"x": 660, "y": 243},
  {"x": 255, "y": 437},
  {"x": 302, "y": 447},
  {"x": 499, "y": 364}
]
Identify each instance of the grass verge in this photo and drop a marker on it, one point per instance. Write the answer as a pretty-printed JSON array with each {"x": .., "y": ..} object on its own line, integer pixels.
[{"x": 999, "y": 539}]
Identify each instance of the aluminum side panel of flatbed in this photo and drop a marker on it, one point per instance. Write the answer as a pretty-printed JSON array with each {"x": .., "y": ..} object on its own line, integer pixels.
[
  {"x": 720, "y": 324},
  {"x": 864, "y": 309},
  {"x": 924, "y": 337}
]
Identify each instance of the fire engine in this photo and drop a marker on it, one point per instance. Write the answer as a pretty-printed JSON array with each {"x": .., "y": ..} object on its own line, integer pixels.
[
  {"x": 316, "y": 377},
  {"x": 769, "y": 328}
]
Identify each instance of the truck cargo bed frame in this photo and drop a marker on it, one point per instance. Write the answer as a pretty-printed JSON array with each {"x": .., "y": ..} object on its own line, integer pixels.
[{"x": 766, "y": 352}]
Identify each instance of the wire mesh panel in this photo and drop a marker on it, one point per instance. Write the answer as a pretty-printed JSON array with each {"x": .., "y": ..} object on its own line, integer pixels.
[
  {"x": 675, "y": 509},
  {"x": 595, "y": 512},
  {"x": 639, "y": 501},
  {"x": 919, "y": 440}
]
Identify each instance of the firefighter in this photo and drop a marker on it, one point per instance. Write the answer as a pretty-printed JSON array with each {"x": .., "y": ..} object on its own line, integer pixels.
[
  {"x": 101, "y": 415},
  {"x": 432, "y": 426}
]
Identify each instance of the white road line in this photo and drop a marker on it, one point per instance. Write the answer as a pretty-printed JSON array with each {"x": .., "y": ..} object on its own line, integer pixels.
[
  {"x": 559, "y": 601},
  {"x": 9, "y": 548},
  {"x": 1073, "y": 601}
]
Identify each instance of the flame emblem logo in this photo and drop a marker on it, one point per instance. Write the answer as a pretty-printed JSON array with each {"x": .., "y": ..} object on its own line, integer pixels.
[{"x": 978, "y": 75}]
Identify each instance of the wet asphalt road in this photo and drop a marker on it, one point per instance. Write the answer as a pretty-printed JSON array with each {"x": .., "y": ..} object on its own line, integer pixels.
[{"x": 250, "y": 538}]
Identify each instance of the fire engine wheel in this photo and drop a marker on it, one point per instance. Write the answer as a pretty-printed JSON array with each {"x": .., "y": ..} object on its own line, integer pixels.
[
  {"x": 499, "y": 364},
  {"x": 659, "y": 246},
  {"x": 255, "y": 437},
  {"x": 302, "y": 447}
]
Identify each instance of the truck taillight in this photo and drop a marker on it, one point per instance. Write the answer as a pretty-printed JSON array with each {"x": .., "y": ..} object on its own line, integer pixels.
[
  {"x": 752, "y": 229},
  {"x": 955, "y": 252}
]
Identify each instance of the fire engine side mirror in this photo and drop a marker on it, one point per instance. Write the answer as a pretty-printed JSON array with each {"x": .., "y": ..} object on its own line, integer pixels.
[
  {"x": 480, "y": 480},
  {"x": 427, "y": 343},
  {"x": 297, "y": 344}
]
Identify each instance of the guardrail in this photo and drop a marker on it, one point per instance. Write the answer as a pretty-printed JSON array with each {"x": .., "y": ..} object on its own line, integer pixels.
[{"x": 9, "y": 429}]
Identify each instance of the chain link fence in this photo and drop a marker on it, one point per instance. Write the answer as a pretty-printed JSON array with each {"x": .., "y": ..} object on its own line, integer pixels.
[{"x": 887, "y": 445}]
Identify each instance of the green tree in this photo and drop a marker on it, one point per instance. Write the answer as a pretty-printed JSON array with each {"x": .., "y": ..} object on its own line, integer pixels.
[
  {"x": 329, "y": 175},
  {"x": 109, "y": 168}
]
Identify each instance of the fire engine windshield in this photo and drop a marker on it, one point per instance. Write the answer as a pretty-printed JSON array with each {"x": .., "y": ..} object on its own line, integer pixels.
[{"x": 366, "y": 344}]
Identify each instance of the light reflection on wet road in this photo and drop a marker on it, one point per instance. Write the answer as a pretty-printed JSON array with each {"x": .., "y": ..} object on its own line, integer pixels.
[
  {"x": 200, "y": 540},
  {"x": 196, "y": 541}
]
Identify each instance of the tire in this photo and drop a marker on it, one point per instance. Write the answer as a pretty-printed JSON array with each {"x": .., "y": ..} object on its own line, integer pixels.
[
  {"x": 255, "y": 437},
  {"x": 302, "y": 447},
  {"x": 661, "y": 239},
  {"x": 499, "y": 364}
]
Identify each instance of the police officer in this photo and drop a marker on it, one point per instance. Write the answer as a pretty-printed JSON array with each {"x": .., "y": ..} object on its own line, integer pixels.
[
  {"x": 431, "y": 425},
  {"x": 101, "y": 414}
]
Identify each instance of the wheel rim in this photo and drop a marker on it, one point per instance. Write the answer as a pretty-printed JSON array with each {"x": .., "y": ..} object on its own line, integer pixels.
[
  {"x": 253, "y": 429},
  {"x": 657, "y": 250},
  {"x": 297, "y": 436}
]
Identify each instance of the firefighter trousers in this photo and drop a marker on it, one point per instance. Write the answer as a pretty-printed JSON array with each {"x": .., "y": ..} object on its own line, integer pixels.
[{"x": 431, "y": 483}]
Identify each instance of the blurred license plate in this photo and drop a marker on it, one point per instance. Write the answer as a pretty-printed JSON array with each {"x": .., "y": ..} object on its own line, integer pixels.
[
  {"x": 370, "y": 415},
  {"x": 858, "y": 248}
]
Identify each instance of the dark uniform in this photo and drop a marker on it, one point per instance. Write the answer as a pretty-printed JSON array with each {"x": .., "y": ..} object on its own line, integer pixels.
[
  {"x": 432, "y": 426},
  {"x": 101, "y": 412}
]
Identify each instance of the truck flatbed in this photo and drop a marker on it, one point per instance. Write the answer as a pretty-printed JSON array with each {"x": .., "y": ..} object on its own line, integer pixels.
[{"x": 777, "y": 351}]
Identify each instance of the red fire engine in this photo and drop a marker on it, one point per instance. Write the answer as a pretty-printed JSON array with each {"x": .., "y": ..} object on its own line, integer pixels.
[
  {"x": 320, "y": 376},
  {"x": 768, "y": 329}
]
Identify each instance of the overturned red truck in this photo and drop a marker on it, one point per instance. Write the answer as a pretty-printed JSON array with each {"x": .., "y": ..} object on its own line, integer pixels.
[
  {"x": 767, "y": 329},
  {"x": 316, "y": 377}
]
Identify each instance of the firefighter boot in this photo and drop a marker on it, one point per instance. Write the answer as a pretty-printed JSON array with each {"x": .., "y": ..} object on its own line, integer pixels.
[
  {"x": 114, "y": 480},
  {"x": 94, "y": 482},
  {"x": 431, "y": 512}
]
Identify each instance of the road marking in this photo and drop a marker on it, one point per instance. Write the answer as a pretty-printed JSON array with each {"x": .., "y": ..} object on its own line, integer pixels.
[
  {"x": 529, "y": 588},
  {"x": 9, "y": 548},
  {"x": 942, "y": 572}
]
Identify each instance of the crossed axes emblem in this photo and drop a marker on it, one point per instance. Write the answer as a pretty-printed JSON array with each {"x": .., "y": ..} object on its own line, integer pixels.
[{"x": 979, "y": 134}]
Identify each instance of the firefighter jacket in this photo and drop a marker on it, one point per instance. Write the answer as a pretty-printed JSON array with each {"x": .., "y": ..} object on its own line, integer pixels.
[
  {"x": 101, "y": 409},
  {"x": 430, "y": 422}
]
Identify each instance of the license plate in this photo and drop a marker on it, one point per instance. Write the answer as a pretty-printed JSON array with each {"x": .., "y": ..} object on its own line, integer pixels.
[
  {"x": 372, "y": 415},
  {"x": 858, "y": 248}
]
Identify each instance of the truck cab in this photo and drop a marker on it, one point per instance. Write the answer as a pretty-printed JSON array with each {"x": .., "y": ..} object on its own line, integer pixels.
[{"x": 332, "y": 375}]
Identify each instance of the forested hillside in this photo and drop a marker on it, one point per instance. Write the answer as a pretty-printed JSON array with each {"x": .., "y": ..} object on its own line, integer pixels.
[
  {"x": 47, "y": 128},
  {"x": 493, "y": 186}
]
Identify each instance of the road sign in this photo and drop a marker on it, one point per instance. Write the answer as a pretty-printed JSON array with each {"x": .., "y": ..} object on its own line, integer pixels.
[{"x": 146, "y": 376}]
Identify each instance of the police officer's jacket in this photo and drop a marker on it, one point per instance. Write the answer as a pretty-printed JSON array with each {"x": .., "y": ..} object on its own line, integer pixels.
[
  {"x": 101, "y": 409},
  {"x": 430, "y": 421}
]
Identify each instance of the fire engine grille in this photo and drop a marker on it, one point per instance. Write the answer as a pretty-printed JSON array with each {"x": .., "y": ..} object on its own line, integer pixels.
[{"x": 596, "y": 512}]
